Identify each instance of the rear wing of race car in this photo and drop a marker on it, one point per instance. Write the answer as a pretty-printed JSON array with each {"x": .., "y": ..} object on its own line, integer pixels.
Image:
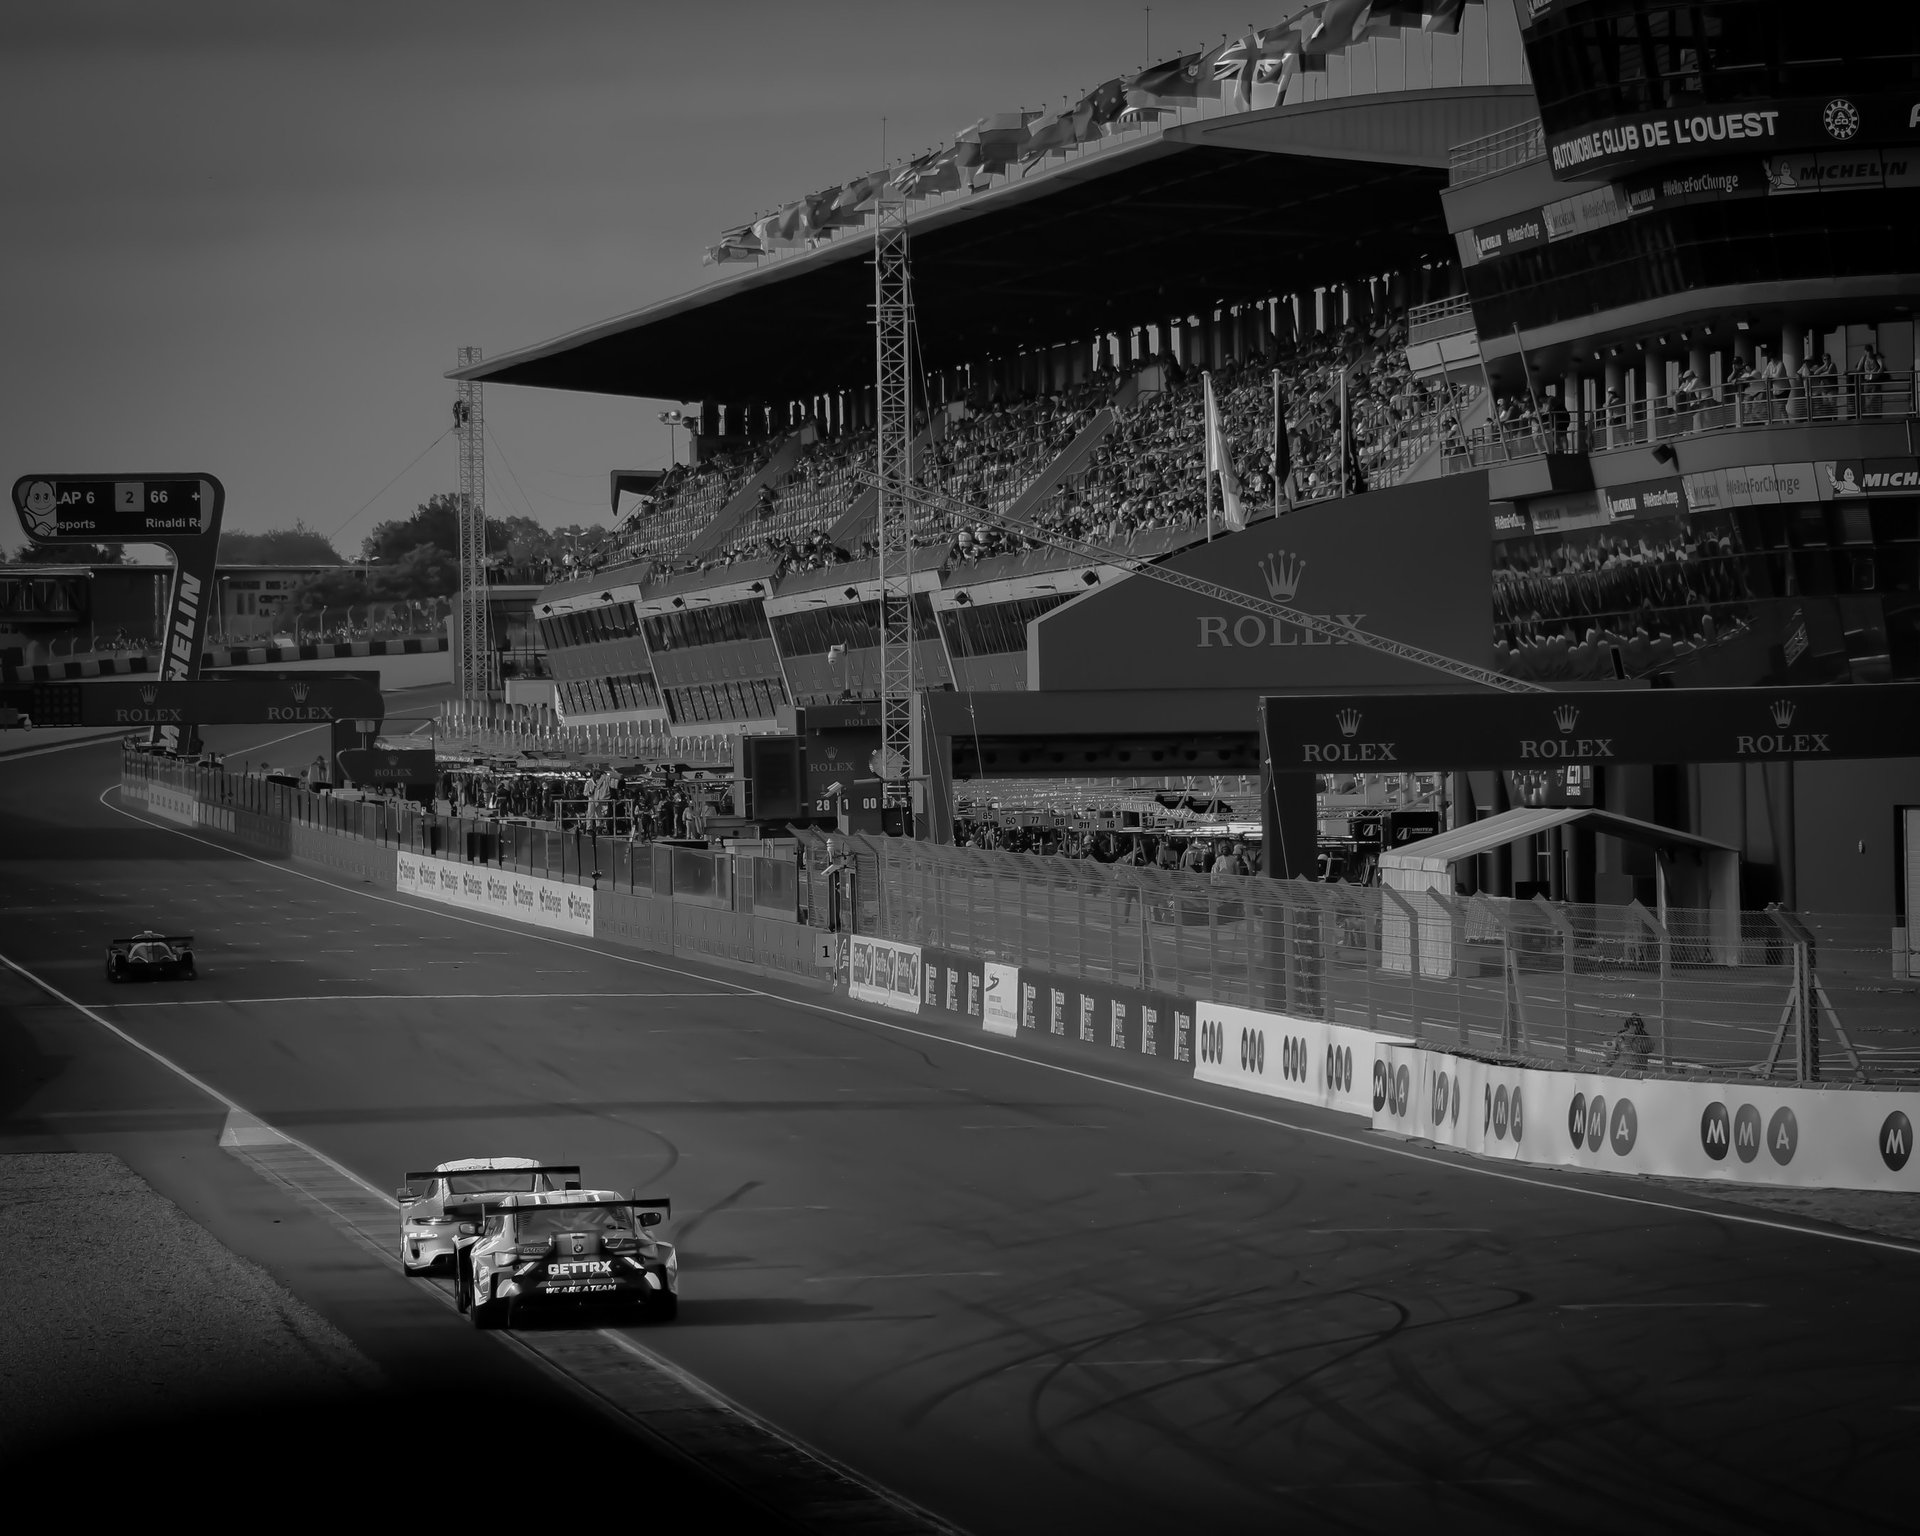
[
  {"x": 174, "y": 940},
  {"x": 479, "y": 1210},
  {"x": 417, "y": 1184}
]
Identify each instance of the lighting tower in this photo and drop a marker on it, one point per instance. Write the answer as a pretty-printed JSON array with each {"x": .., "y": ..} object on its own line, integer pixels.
[
  {"x": 475, "y": 645},
  {"x": 893, "y": 438}
]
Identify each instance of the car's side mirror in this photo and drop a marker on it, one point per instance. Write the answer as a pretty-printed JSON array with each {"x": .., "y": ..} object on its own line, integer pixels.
[
  {"x": 405, "y": 1195},
  {"x": 468, "y": 1229},
  {"x": 649, "y": 1218}
]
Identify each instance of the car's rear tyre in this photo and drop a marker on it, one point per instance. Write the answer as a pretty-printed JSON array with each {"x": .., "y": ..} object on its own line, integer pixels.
[
  {"x": 186, "y": 968},
  {"x": 486, "y": 1314},
  {"x": 665, "y": 1309}
]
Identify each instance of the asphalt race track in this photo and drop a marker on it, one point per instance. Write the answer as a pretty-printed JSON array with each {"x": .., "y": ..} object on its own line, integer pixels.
[{"x": 1028, "y": 1297}]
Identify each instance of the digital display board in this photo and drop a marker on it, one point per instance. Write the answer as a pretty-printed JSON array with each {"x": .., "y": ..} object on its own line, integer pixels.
[{"x": 96, "y": 509}]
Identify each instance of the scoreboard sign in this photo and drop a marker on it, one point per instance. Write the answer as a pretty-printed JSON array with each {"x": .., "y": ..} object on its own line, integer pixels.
[
  {"x": 103, "y": 511},
  {"x": 179, "y": 511}
]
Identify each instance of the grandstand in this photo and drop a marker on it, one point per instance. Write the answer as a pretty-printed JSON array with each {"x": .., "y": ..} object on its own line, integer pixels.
[{"x": 1589, "y": 422}]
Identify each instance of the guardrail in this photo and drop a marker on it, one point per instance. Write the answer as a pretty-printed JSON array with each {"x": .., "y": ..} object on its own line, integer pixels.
[
  {"x": 1770, "y": 995},
  {"x": 1496, "y": 152},
  {"x": 1674, "y": 417}
]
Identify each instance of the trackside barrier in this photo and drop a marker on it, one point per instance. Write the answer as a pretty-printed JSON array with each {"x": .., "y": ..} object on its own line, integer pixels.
[
  {"x": 1306, "y": 1060},
  {"x": 1743, "y": 1131},
  {"x": 1803, "y": 996},
  {"x": 1734, "y": 1132},
  {"x": 1745, "y": 1127},
  {"x": 660, "y": 898},
  {"x": 543, "y": 903}
]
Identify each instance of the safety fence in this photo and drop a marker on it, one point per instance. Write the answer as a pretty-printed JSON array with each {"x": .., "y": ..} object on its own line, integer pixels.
[
  {"x": 1774, "y": 995},
  {"x": 739, "y": 880},
  {"x": 1787, "y": 996}
]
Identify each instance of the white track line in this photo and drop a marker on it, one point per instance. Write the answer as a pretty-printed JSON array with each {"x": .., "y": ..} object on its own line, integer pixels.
[
  {"x": 1367, "y": 1143},
  {"x": 231, "y": 1106},
  {"x": 666, "y": 1367},
  {"x": 408, "y": 997}
]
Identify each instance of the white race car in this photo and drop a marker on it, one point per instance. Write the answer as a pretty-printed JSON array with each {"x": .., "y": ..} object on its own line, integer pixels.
[
  {"x": 572, "y": 1251},
  {"x": 427, "y": 1231}
]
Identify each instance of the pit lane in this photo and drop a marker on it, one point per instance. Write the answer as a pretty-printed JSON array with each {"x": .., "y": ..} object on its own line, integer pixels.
[{"x": 1023, "y": 1296}]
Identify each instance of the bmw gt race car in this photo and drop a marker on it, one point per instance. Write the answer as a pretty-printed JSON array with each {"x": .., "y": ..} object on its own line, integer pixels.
[
  {"x": 150, "y": 956},
  {"x": 427, "y": 1230},
  {"x": 525, "y": 1255}
]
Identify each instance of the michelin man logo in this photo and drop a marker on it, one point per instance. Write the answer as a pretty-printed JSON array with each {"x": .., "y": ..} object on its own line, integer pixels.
[{"x": 40, "y": 509}]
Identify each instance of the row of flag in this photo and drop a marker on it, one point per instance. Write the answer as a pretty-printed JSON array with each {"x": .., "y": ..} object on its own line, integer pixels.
[
  {"x": 1246, "y": 73},
  {"x": 1219, "y": 457}
]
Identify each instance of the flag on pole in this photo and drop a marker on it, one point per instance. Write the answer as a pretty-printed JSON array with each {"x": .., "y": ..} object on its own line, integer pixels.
[
  {"x": 1220, "y": 462},
  {"x": 1353, "y": 479},
  {"x": 1282, "y": 449}
]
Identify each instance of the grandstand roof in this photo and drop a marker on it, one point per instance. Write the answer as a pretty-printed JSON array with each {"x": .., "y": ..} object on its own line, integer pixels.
[{"x": 1221, "y": 208}]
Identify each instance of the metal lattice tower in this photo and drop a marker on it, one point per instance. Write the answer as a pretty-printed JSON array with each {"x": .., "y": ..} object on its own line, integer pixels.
[
  {"x": 475, "y": 647},
  {"x": 893, "y": 437}
]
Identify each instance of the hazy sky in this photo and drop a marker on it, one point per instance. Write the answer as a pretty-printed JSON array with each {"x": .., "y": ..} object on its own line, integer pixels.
[{"x": 248, "y": 238}]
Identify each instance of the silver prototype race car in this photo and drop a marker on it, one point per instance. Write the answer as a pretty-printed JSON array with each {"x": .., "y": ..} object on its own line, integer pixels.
[
  {"x": 568, "y": 1252},
  {"x": 427, "y": 1231}
]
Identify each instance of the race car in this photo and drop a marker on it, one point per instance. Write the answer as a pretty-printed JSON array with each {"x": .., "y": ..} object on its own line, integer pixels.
[
  {"x": 150, "y": 956},
  {"x": 427, "y": 1231},
  {"x": 571, "y": 1252}
]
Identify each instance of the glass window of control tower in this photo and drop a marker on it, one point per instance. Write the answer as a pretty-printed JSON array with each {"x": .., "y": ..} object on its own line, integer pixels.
[{"x": 1640, "y": 57}]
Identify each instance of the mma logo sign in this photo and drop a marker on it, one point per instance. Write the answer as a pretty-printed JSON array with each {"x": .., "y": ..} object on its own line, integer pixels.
[
  {"x": 1392, "y": 1087},
  {"x": 1741, "y": 1134},
  {"x": 1340, "y": 1068},
  {"x": 1501, "y": 1112},
  {"x": 1896, "y": 1141},
  {"x": 1589, "y": 1125}
]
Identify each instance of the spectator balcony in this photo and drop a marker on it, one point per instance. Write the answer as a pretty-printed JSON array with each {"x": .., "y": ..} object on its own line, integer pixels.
[{"x": 1807, "y": 401}]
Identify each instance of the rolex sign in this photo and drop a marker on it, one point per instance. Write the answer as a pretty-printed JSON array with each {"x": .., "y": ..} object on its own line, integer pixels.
[{"x": 1410, "y": 564}]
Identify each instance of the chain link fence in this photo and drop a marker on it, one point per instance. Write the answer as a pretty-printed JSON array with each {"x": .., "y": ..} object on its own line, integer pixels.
[{"x": 1793, "y": 997}]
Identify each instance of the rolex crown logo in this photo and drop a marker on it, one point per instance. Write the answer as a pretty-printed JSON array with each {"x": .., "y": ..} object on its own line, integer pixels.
[
  {"x": 148, "y": 694},
  {"x": 1566, "y": 717},
  {"x": 299, "y": 693},
  {"x": 1782, "y": 712},
  {"x": 1282, "y": 572},
  {"x": 1349, "y": 721}
]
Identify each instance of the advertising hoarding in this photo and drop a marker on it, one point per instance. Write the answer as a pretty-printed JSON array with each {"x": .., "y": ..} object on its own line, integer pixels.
[{"x": 497, "y": 892}]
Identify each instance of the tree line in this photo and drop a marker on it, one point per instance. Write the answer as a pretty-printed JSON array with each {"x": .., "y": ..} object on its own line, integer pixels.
[{"x": 405, "y": 558}]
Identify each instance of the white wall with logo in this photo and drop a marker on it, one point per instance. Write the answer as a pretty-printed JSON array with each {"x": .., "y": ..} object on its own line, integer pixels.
[
  {"x": 1306, "y": 1060},
  {"x": 880, "y": 971},
  {"x": 502, "y": 893},
  {"x": 1745, "y": 1133},
  {"x": 1000, "y": 1014}
]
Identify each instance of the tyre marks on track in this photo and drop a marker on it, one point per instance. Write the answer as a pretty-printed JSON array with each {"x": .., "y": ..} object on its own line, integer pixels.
[{"x": 648, "y": 1394}]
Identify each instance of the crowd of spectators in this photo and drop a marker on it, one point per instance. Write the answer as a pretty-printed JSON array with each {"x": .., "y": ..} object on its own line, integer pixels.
[
  {"x": 1562, "y": 608},
  {"x": 793, "y": 522},
  {"x": 1149, "y": 472},
  {"x": 686, "y": 499},
  {"x": 644, "y": 808},
  {"x": 1757, "y": 390},
  {"x": 1200, "y": 852},
  {"x": 1146, "y": 475}
]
